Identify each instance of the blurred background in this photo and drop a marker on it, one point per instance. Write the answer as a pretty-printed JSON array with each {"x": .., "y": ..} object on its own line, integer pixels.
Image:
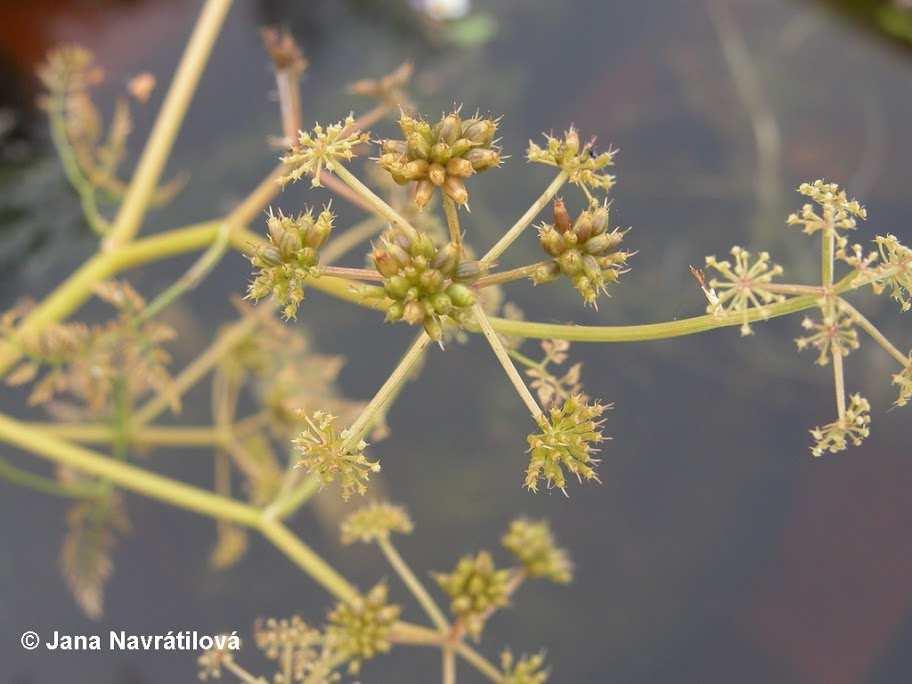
[{"x": 717, "y": 549}]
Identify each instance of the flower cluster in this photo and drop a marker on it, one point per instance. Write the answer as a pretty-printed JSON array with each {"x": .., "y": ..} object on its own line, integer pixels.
[
  {"x": 853, "y": 426},
  {"x": 526, "y": 670},
  {"x": 896, "y": 267},
  {"x": 308, "y": 654},
  {"x": 87, "y": 363},
  {"x": 422, "y": 283},
  {"x": 441, "y": 155},
  {"x": 476, "y": 588},
  {"x": 326, "y": 452},
  {"x": 839, "y": 212},
  {"x": 836, "y": 334},
  {"x": 362, "y": 627},
  {"x": 567, "y": 438},
  {"x": 291, "y": 257},
  {"x": 903, "y": 380},
  {"x": 376, "y": 521},
  {"x": 585, "y": 251},
  {"x": 533, "y": 545},
  {"x": 583, "y": 166},
  {"x": 742, "y": 287},
  {"x": 322, "y": 147}
]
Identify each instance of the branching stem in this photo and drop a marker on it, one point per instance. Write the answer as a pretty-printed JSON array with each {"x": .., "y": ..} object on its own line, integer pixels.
[{"x": 414, "y": 585}]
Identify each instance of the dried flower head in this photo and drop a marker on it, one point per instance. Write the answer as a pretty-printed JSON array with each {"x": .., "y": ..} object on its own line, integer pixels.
[
  {"x": 389, "y": 89},
  {"x": 834, "y": 335},
  {"x": 441, "y": 155},
  {"x": 582, "y": 164},
  {"x": 895, "y": 270},
  {"x": 529, "y": 669},
  {"x": 422, "y": 283},
  {"x": 854, "y": 426},
  {"x": 322, "y": 147},
  {"x": 476, "y": 589},
  {"x": 376, "y": 521},
  {"x": 567, "y": 438},
  {"x": 903, "y": 380},
  {"x": 838, "y": 211},
  {"x": 362, "y": 628},
  {"x": 291, "y": 257},
  {"x": 70, "y": 68},
  {"x": 283, "y": 50},
  {"x": 742, "y": 287},
  {"x": 550, "y": 388},
  {"x": 533, "y": 545},
  {"x": 585, "y": 251},
  {"x": 325, "y": 452}
]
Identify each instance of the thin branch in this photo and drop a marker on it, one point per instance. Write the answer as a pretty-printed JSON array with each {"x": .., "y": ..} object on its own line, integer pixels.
[
  {"x": 413, "y": 584},
  {"x": 516, "y": 230},
  {"x": 875, "y": 334}
]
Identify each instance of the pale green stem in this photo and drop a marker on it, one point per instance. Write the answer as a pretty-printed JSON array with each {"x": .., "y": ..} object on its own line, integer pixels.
[
  {"x": 71, "y": 168},
  {"x": 96, "y": 433},
  {"x": 516, "y": 230},
  {"x": 413, "y": 584},
  {"x": 479, "y": 662},
  {"x": 400, "y": 374},
  {"x": 875, "y": 334},
  {"x": 504, "y": 357},
  {"x": 242, "y": 674},
  {"x": 193, "y": 276},
  {"x": 377, "y": 204},
  {"x": 296, "y": 496},
  {"x": 788, "y": 289},
  {"x": 452, "y": 218},
  {"x": 449, "y": 665},
  {"x": 167, "y": 124},
  {"x": 352, "y": 273},
  {"x": 839, "y": 384},
  {"x": 508, "y": 276},
  {"x": 45, "y": 485}
]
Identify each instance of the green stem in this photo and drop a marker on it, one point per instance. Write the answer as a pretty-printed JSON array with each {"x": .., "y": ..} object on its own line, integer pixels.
[
  {"x": 516, "y": 230},
  {"x": 96, "y": 433},
  {"x": 45, "y": 485},
  {"x": 508, "y": 276},
  {"x": 178, "y": 494},
  {"x": 479, "y": 662},
  {"x": 452, "y": 219},
  {"x": 875, "y": 334},
  {"x": 400, "y": 374},
  {"x": 167, "y": 124},
  {"x": 413, "y": 584},
  {"x": 297, "y": 495},
  {"x": 504, "y": 357},
  {"x": 376, "y": 203}
]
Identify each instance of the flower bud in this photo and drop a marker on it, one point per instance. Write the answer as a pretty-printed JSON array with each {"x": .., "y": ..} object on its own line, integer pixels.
[
  {"x": 545, "y": 273},
  {"x": 460, "y": 147},
  {"x": 442, "y": 303},
  {"x": 460, "y": 295},
  {"x": 431, "y": 281},
  {"x": 397, "y": 147},
  {"x": 482, "y": 159},
  {"x": 551, "y": 241},
  {"x": 572, "y": 142},
  {"x": 479, "y": 131},
  {"x": 455, "y": 189},
  {"x": 440, "y": 152},
  {"x": 423, "y": 193},
  {"x": 591, "y": 268},
  {"x": 433, "y": 328},
  {"x": 394, "y": 312},
  {"x": 413, "y": 313},
  {"x": 447, "y": 259},
  {"x": 570, "y": 262},
  {"x": 450, "y": 128},
  {"x": 457, "y": 166},
  {"x": 583, "y": 228},
  {"x": 415, "y": 169},
  {"x": 397, "y": 287},
  {"x": 418, "y": 146},
  {"x": 436, "y": 174},
  {"x": 469, "y": 270},
  {"x": 384, "y": 263},
  {"x": 561, "y": 217}
]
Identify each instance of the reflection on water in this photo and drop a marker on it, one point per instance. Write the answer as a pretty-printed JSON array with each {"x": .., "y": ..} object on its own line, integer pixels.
[{"x": 716, "y": 550}]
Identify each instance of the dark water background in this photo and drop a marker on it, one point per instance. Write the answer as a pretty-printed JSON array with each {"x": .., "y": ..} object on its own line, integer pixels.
[{"x": 717, "y": 550}]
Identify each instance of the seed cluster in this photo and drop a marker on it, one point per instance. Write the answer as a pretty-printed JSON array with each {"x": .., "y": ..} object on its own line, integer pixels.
[
  {"x": 853, "y": 427},
  {"x": 291, "y": 257},
  {"x": 566, "y": 440},
  {"x": 533, "y": 545},
  {"x": 362, "y": 627},
  {"x": 585, "y": 251},
  {"x": 476, "y": 588},
  {"x": 421, "y": 282},
  {"x": 441, "y": 155}
]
